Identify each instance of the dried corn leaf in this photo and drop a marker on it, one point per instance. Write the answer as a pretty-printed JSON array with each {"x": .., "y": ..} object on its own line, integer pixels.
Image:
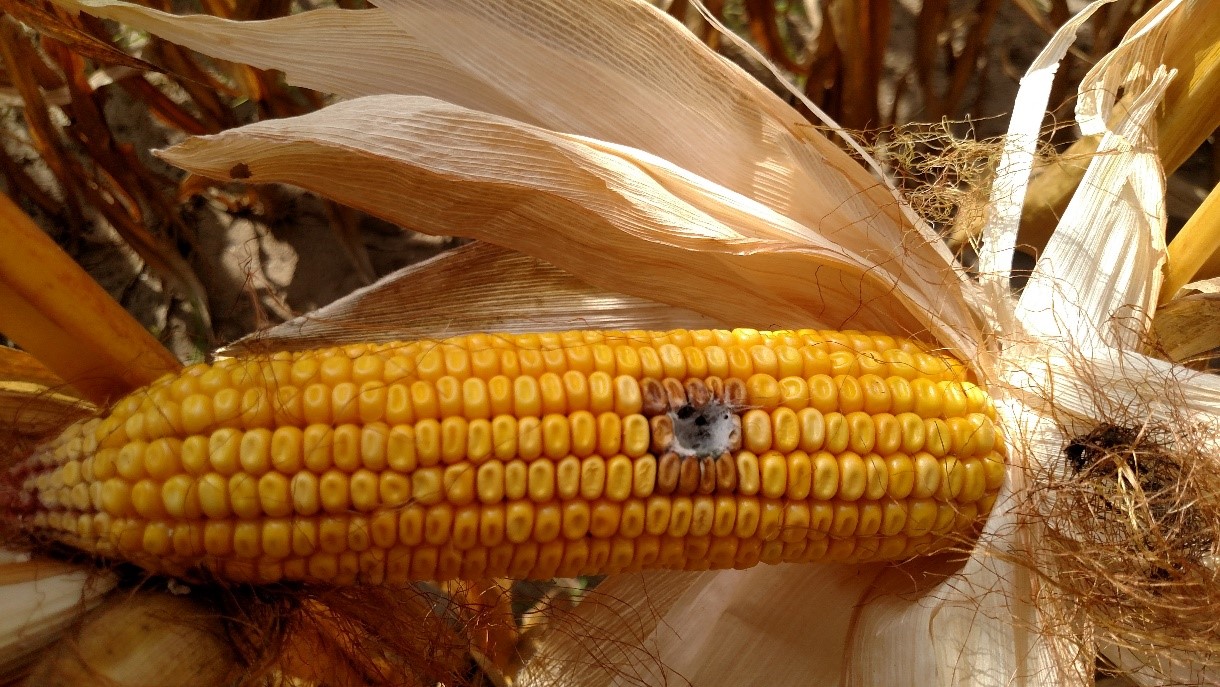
[
  {"x": 622, "y": 219},
  {"x": 475, "y": 288},
  {"x": 35, "y": 15}
]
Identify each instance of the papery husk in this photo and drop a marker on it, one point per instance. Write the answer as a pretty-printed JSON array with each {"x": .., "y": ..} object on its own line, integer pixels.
[
  {"x": 33, "y": 400},
  {"x": 39, "y": 600},
  {"x": 478, "y": 287},
  {"x": 1187, "y": 327},
  {"x": 141, "y": 639}
]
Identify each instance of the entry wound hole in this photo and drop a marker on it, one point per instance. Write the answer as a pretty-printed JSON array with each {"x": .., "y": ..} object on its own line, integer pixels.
[{"x": 704, "y": 432}]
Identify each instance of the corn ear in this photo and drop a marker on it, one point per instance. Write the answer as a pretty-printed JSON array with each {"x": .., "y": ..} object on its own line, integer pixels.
[{"x": 529, "y": 456}]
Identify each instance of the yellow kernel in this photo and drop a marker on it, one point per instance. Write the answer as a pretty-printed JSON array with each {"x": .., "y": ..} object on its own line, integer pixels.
[
  {"x": 644, "y": 477},
  {"x": 636, "y": 435},
  {"x": 489, "y": 482},
  {"x": 762, "y": 390},
  {"x": 954, "y": 399},
  {"x": 504, "y": 437},
  {"x": 345, "y": 403},
  {"x": 373, "y": 442},
  {"x": 428, "y": 442},
  {"x": 954, "y": 480},
  {"x": 197, "y": 415},
  {"x": 478, "y": 441},
  {"x": 161, "y": 460},
  {"x": 878, "y": 476},
  {"x": 316, "y": 444},
  {"x": 853, "y": 476},
  {"x": 717, "y": 360},
  {"x": 619, "y": 470},
  {"x": 255, "y": 451},
  {"x": 550, "y": 389},
  {"x": 400, "y": 448},
  {"x": 627, "y": 399},
  {"x": 823, "y": 393},
  {"x": 576, "y": 389},
  {"x": 316, "y": 400},
  {"x": 453, "y": 433},
  {"x": 584, "y": 435},
  {"x": 458, "y": 482},
  {"x": 364, "y": 490},
  {"x": 926, "y": 397},
  {"x": 146, "y": 500},
  {"x": 793, "y": 393},
  {"x": 974, "y": 481},
  {"x": 519, "y": 521},
  {"x": 773, "y": 467},
  {"x": 938, "y": 440},
  {"x": 541, "y": 481},
  {"x": 756, "y": 431},
  {"x": 862, "y": 433},
  {"x": 927, "y": 475},
  {"x": 213, "y": 496},
  {"x": 601, "y": 392},
  {"x": 275, "y": 495},
  {"x": 748, "y": 476},
  {"x": 180, "y": 498},
  {"x": 567, "y": 477},
  {"x": 556, "y": 437},
  {"x": 398, "y": 409},
  {"x": 838, "y": 434},
  {"x": 812, "y": 428},
  {"x": 491, "y": 525},
  {"x": 901, "y": 475},
  {"x": 393, "y": 489},
  {"x": 994, "y": 470},
  {"x": 530, "y": 441},
  {"x": 851, "y": 394},
  {"x": 424, "y": 402},
  {"x": 846, "y": 520},
  {"x": 448, "y": 396},
  {"x": 592, "y": 477},
  {"x": 920, "y": 517},
  {"x": 306, "y": 498},
  {"x": 889, "y": 435},
  {"x": 129, "y": 463},
  {"x": 516, "y": 477},
  {"x": 243, "y": 496},
  {"x": 426, "y": 486},
  {"x": 476, "y": 399}
]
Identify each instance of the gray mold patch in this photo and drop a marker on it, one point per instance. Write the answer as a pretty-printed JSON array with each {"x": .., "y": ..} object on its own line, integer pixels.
[{"x": 706, "y": 432}]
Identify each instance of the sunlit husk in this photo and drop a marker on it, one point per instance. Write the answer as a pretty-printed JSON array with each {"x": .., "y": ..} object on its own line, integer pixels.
[
  {"x": 141, "y": 639},
  {"x": 475, "y": 288},
  {"x": 39, "y": 600}
]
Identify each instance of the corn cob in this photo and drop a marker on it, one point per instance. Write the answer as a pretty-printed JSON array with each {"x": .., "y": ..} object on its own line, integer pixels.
[{"x": 529, "y": 456}]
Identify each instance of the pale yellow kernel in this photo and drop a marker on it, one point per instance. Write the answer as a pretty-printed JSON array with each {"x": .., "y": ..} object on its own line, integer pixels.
[
  {"x": 345, "y": 403},
  {"x": 845, "y": 519},
  {"x": 619, "y": 471},
  {"x": 129, "y": 463},
  {"x": 146, "y": 499},
  {"x": 717, "y": 360},
  {"x": 274, "y": 493},
  {"x": 491, "y": 525},
  {"x": 317, "y": 442},
  {"x": 316, "y": 404},
  {"x": 644, "y": 476},
  {"x": 551, "y": 392},
  {"x": 580, "y": 361},
  {"x": 478, "y": 441},
  {"x": 871, "y": 516},
  {"x": 838, "y": 434},
  {"x": 773, "y": 468},
  {"x": 530, "y": 440},
  {"x": 861, "y": 431},
  {"x": 928, "y": 475},
  {"x": 889, "y": 435},
  {"x": 813, "y": 429},
  {"x": 576, "y": 390},
  {"x": 400, "y": 449},
  {"x": 636, "y": 435},
  {"x": 541, "y": 481},
  {"x": 601, "y": 392},
  {"x": 504, "y": 433},
  {"x": 954, "y": 480},
  {"x": 458, "y": 481},
  {"x": 197, "y": 414},
  {"x": 853, "y": 476},
  {"x": 954, "y": 398},
  {"x": 305, "y": 493},
  {"x": 927, "y": 398},
  {"x": 825, "y": 475},
  {"x": 584, "y": 435},
  {"x": 374, "y": 438},
  {"x": 567, "y": 477},
  {"x": 104, "y": 459},
  {"x": 748, "y": 476},
  {"x": 556, "y": 437},
  {"x": 762, "y": 390},
  {"x": 364, "y": 490},
  {"x": 398, "y": 409},
  {"x": 878, "y": 476},
  {"x": 454, "y": 432},
  {"x": 938, "y": 439},
  {"x": 428, "y": 442},
  {"x": 749, "y": 513},
  {"x": 476, "y": 399},
  {"x": 181, "y": 498},
  {"x": 592, "y": 478},
  {"x": 531, "y": 362},
  {"x": 527, "y": 397},
  {"x": 449, "y": 396},
  {"x": 627, "y": 398},
  {"x": 254, "y": 451},
  {"x": 426, "y": 486},
  {"x": 368, "y": 368},
  {"x": 213, "y": 496},
  {"x": 519, "y": 521},
  {"x": 516, "y": 479}
]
